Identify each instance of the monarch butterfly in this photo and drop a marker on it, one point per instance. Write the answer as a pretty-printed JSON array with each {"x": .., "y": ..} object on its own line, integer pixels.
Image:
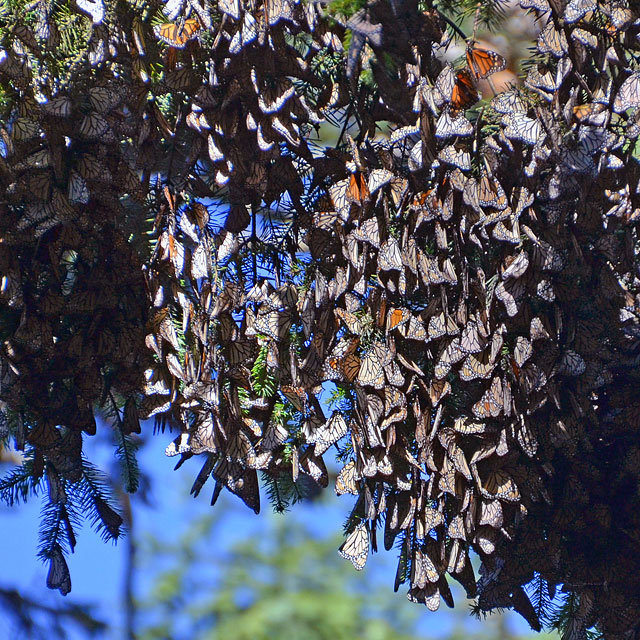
[
  {"x": 58, "y": 576},
  {"x": 177, "y": 35},
  {"x": 353, "y": 323},
  {"x": 338, "y": 194},
  {"x": 498, "y": 484},
  {"x": 571, "y": 364},
  {"x": 449, "y": 440},
  {"x": 509, "y": 102},
  {"x": 511, "y": 293},
  {"x": 358, "y": 191},
  {"x": 438, "y": 389},
  {"x": 519, "y": 127},
  {"x": 628, "y": 96},
  {"x": 25, "y": 129},
  {"x": 274, "y": 436},
  {"x": 576, "y": 9},
  {"x": 440, "y": 325},
  {"x": 537, "y": 330},
  {"x": 356, "y": 547},
  {"x": 490, "y": 513},
  {"x": 394, "y": 375},
  {"x": 456, "y": 528},
  {"x": 415, "y": 330},
  {"x": 245, "y": 35},
  {"x": 95, "y": 9},
  {"x": 471, "y": 341},
  {"x": 464, "y": 93},
  {"x": 297, "y": 396},
  {"x": 450, "y": 127},
  {"x": 371, "y": 370},
  {"x": 429, "y": 596},
  {"x": 491, "y": 403},
  {"x": 522, "y": 351},
  {"x": 93, "y": 126},
  {"x": 483, "y": 62},
  {"x": 230, "y": 8},
  {"x": 404, "y": 132},
  {"x": 552, "y": 41},
  {"x": 239, "y": 480},
  {"x": 274, "y": 94},
  {"x": 328, "y": 434},
  {"x": 102, "y": 99},
  {"x": 539, "y": 5},
  {"x": 389, "y": 256},
  {"x": 491, "y": 193},
  {"x": 277, "y": 10},
  {"x": 526, "y": 438},
  {"x": 507, "y": 230},
  {"x": 456, "y": 157},
  {"x": 517, "y": 266},
  {"x": 274, "y": 324},
  {"x": 378, "y": 178},
  {"x": 465, "y": 427},
  {"x": 343, "y": 363},
  {"x": 585, "y": 37},
  {"x": 423, "y": 570},
  {"x": 621, "y": 16},
  {"x": 78, "y": 190},
  {"x": 347, "y": 479},
  {"x": 397, "y": 317},
  {"x": 314, "y": 466},
  {"x": 443, "y": 87},
  {"x": 451, "y": 354},
  {"x": 368, "y": 231},
  {"x": 239, "y": 449},
  {"x": 477, "y": 366}
]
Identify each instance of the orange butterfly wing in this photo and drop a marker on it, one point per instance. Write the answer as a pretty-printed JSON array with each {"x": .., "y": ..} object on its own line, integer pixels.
[
  {"x": 464, "y": 92},
  {"x": 484, "y": 62}
]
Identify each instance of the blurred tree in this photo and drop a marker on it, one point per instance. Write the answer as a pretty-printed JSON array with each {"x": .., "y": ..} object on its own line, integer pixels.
[{"x": 286, "y": 582}]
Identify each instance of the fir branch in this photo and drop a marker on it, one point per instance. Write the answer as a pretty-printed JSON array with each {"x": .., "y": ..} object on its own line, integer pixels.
[
  {"x": 99, "y": 502},
  {"x": 19, "y": 483},
  {"x": 126, "y": 454}
]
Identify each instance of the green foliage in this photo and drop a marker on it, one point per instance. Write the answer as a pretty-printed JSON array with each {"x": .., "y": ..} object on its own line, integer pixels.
[{"x": 17, "y": 485}]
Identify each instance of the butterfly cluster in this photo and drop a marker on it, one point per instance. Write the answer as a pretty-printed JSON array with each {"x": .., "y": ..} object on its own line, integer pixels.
[{"x": 461, "y": 272}]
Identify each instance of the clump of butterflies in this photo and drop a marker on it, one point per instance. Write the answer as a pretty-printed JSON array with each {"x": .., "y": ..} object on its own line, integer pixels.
[{"x": 467, "y": 284}]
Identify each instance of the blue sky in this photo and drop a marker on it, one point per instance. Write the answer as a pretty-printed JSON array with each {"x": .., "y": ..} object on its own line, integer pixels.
[{"x": 97, "y": 568}]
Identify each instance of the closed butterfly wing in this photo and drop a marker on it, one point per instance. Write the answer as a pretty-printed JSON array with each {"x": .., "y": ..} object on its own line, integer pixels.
[
  {"x": 371, "y": 371},
  {"x": 499, "y": 484},
  {"x": 328, "y": 434},
  {"x": 356, "y": 547},
  {"x": 58, "y": 576},
  {"x": 347, "y": 480},
  {"x": 464, "y": 93},
  {"x": 451, "y": 126},
  {"x": 471, "y": 341},
  {"x": 577, "y": 9},
  {"x": 522, "y": 351},
  {"x": 458, "y": 158},
  {"x": 491, "y": 403},
  {"x": 491, "y": 193},
  {"x": 509, "y": 103},
  {"x": 520, "y": 127},
  {"x": 477, "y": 366},
  {"x": 378, "y": 178},
  {"x": 553, "y": 41}
]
